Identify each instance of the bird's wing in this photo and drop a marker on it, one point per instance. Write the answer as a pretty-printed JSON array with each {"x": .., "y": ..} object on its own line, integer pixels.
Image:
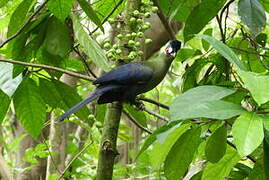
[{"x": 131, "y": 73}]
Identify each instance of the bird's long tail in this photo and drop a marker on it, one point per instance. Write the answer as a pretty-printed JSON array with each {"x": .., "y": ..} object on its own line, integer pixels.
[{"x": 97, "y": 93}]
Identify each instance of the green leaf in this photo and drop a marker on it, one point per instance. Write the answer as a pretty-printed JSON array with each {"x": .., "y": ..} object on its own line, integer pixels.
[
  {"x": 18, "y": 17},
  {"x": 258, "y": 85},
  {"x": 265, "y": 4},
  {"x": 5, "y": 102},
  {"x": 7, "y": 84},
  {"x": 266, "y": 121},
  {"x": 204, "y": 43},
  {"x": 217, "y": 139},
  {"x": 224, "y": 50},
  {"x": 266, "y": 153},
  {"x": 164, "y": 143},
  {"x": 258, "y": 171},
  {"x": 200, "y": 16},
  {"x": 248, "y": 133},
  {"x": 90, "y": 13},
  {"x": 203, "y": 101},
  {"x": 252, "y": 14},
  {"x": 181, "y": 154},
  {"x": 59, "y": 95},
  {"x": 57, "y": 40},
  {"x": 30, "y": 107},
  {"x": 139, "y": 116},
  {"x": 261, "y": 39},
  {"x": 60, "y": 8},
  {"x": 3, "y": 3},
  {"x": 221, "y": 169},
  {"x": 92, "y": 49}
]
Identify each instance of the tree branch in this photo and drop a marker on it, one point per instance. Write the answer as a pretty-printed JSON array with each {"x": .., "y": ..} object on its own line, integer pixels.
[
  {"x": 250, "y": 52},
  {"x": 164, "y": 21},
  {"x": 25, "y": 24},
  {"x": 42, "y": 66},
  {"x": 153, "y": 102},
  {"x": 155, "y": 114},
  {"x": 136, "y": 123}
]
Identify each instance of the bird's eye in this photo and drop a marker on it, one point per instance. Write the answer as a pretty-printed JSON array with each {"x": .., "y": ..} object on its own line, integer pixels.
[{"x": 169, "y": 50}]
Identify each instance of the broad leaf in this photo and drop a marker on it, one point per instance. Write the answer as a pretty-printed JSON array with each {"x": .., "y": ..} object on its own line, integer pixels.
[
  {"x": 3, "y": 3},
  {"x": 57, "y": 40},
  {"x": 60, "y": 8},
  {"x": 59, "y": 95},
  {"x": 200, "y": 16},
  {"x": 258, "y": 171},
  {"x": 18, "y": 17},
  {"x": 204, "y": 101},
  {"x": 252, "y": 14},
  {"x": 7, "y": 84},
  {"x": 221, "y": 169},
  {"x": 5, "y": 101},
  {"x": 224, "y": 50},
  {"x": 266, "y": 153},
  {"x": 139, "y": 116},
  {"x": 216, "y": 145},
  {"x": 181, "y": 154},
  {"x": 164, "y": 143},
  {"x": 258, "y": 85},
  {"x": 248, "y": 133},
  {"x": 92, "y": 49},
  {"x": 30, "y": 107},
  {"x": 90, "y": 13}
]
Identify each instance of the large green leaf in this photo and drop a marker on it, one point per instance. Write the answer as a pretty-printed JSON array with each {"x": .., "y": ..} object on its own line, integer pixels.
[
  {"x": 200, "y": 16},
  {"x": 57, "y": 40},
  {"x": 5, "y": 101},
  {"x": 221, "y": 169},
  {"x": 7, "y": 84},
  {"x": 164, "y": 143},
  {"x": 224, "y": 50},
  {"x": 252, "y": 14},
  {"x": 92, "y": 49},
  {"x": 30, "y": 107},
  {"x": 217, "y": 139},
  {"x": 258, "y": 171},
  {"x": 90, "y": 13},
  {"x": 248, "y": 132},
  {"x": 181, "y": 154},
  {"x": 258, "y": 85},
  {"x": 3, "y": 3},
  {"x": 266, "y": 153},
  {"x": 204, "y": 101},
  {"x": 59, "y": 95},
  {"x": 139, "y": 116},
  {"x": 18, "y": 17},
  {"x": 60, "y": 8}
]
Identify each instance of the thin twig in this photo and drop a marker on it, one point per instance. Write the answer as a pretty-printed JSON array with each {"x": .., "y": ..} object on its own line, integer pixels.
[
  {"x": 164, "y": 21},
  {"x": 25, "y": 24},
  {"x": 153, "y": 102},
  {"x": 108, "y": 16},
  {"x": 71, "y": 73},
  {"x": 136, "y": 123},
  {"x": 73, "y": 159},
  {"x": 221, "y": 30},
  {"x": 155, "y": 114},
  {"x": 250, "y": 52}
]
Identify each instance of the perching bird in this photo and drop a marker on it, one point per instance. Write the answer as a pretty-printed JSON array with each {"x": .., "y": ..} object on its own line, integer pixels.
[{"x": 125, "y": 82}]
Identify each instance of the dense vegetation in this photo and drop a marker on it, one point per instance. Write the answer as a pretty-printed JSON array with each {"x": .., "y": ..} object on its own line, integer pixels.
[{"x": 209, "y": 118}]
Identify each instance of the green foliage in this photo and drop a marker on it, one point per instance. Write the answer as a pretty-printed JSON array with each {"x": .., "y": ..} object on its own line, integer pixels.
[
  {"x": 30, "y": 107},
  {"x": 5, "y": 101},
  {"x": 248, "y": 133},
  {"x": 207, "y": 9},
  {"x": 252, "y": 14},
  {"x": 60, "y": 8}
]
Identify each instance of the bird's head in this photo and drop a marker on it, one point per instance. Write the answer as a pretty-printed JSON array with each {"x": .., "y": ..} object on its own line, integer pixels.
[{"x": 172, "y": 48}]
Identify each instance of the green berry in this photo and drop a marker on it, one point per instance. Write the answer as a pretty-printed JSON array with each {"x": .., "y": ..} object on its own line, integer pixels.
[
  {"x": 150, "y": 3},
  {"x": 118, "y": 51},
  {"x": 107, "y": 45},
  {"x": 133, "y": 34},
  {"x": 136, "y": 13},
  {"x": 133, "y": 53},
  {"x": 140, "y": 34},
  {"x": 154, "y": 9},
  {"x": 115, "y": 46},
  {"x": 128, "y": 36},
  {"x": 131, "y": 56},
  {"x": 107, "y": 40},
  {"x": 147, "y": 15},
  {"x": 110, "y": 55},
  {"x": 139, "y": 21},
  {"x": 120, "y": 36},
  {"x": 145, "y": 27},
  {"x": 132, "y": 20},
  {"x": 137, "y": 44},
  {"x": 131, "y": 43},
  {"x": 148, "y": 41},
  {"x": 147, "y": 24},
  {"x": 140, "y": 53}
]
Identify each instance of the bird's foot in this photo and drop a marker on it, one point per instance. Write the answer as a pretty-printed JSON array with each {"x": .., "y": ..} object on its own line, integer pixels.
[{"x": 139, "y": 105}]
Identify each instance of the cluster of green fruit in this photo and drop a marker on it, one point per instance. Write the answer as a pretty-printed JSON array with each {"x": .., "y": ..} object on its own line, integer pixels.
[{"x": 131, "y": 40}]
